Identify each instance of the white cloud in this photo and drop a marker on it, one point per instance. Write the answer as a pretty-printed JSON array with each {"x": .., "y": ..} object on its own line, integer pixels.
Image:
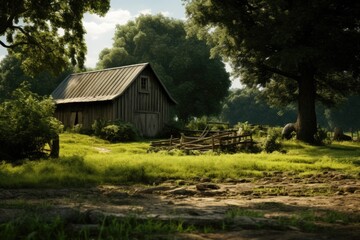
[
  {"x": 100, "y": 30},
  {"x": 97, "y": 26},
  {"x": 166, "y": 13},
  {"x": 145, "y": 11}
]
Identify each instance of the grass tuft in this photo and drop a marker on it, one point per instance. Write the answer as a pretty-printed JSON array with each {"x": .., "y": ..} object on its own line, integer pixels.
[{"x": 89, "y": 161}]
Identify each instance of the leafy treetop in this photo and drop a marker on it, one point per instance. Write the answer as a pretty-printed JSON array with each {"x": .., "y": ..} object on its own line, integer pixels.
[
  {"x": 47, "y": 32},
  {"x": 198, "y": 83},
  {"x": 309, "y": 49}
]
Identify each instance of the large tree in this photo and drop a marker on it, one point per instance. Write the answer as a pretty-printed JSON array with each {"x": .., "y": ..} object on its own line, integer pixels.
[
  {"x": 198, "y": 83},
  {"x": 308, "y": 49},
  {"x": 47, "y": 33}
]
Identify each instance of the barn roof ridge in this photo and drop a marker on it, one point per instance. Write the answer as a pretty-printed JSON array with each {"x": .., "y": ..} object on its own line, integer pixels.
[{"x": 112, "y": 68}]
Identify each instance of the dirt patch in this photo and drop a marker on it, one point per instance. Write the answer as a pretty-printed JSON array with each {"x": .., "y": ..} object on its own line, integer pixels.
[{"x": 281, "y": 206}]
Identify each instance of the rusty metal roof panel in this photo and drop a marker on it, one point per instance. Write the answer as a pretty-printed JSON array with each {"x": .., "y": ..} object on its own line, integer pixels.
[{"x": 96, "y": 86}]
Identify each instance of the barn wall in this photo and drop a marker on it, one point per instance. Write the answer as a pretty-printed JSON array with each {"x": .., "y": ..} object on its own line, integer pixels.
[
  {"x": 87, "y": 113},
  {"x": 148, "y": 110},
  {"x": 143, "y": 107}
]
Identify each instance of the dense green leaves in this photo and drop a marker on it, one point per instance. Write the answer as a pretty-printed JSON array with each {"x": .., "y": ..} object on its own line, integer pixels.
[
  {"x": 198, "y": 83},
  {"x": 47, "y": 33},
  {"x": 26, "y": 124},
  {"x": 310, "y": 49},
  {"x": 243, "y": 105},
  {"x": 12, "y": 75}
]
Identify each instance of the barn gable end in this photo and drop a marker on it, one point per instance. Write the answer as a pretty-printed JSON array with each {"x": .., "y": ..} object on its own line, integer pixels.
[{"x": 132, "y": 94}]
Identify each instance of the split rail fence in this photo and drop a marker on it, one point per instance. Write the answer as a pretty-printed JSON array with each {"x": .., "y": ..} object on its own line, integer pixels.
[{"x": 219, "y": 141}]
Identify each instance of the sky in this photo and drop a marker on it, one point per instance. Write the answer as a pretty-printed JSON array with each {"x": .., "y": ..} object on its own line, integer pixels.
[{"x": 100, "y": 30}]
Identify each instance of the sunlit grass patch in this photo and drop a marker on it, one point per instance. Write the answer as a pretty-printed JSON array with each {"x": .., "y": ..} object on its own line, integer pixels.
[{"x": 86, "y": 160}]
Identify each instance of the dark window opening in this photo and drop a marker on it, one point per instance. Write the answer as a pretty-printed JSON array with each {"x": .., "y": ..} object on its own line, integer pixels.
[{"x": 144, "y": 84}]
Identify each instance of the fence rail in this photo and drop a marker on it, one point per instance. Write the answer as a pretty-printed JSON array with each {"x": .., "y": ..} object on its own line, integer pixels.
[{"x": 218, "y": 141}]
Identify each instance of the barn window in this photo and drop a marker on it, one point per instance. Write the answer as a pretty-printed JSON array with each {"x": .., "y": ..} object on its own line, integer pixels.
[{"x": 144, "y": 84}]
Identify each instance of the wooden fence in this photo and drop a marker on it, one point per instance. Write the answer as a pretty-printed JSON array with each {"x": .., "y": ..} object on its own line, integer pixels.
[{"x": 219, "y": 141}]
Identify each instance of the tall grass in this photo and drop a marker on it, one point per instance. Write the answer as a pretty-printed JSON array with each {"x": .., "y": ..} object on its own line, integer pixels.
[{"x": 87, "y": 161}]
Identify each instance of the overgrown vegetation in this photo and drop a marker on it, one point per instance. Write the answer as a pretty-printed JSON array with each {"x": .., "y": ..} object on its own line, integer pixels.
[
  {"x": 35, "y": 227},
  {"x": 116, "y": 131},
  {"x": 310, "y": 220},
  {"x": 26, "y": 125},
  {"x": 86, "y": 160}
]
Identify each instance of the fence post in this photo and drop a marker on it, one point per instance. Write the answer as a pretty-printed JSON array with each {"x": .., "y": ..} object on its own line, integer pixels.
[
  {"x": 171, "y": 137},
  {"x": 213, "y": 142}
]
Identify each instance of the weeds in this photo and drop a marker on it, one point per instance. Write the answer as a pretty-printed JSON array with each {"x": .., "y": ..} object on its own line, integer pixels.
[
  {"x": 307, "y": 220},
  {"x": 82, "y": 163},
  {"x": 35, "y": 227}
]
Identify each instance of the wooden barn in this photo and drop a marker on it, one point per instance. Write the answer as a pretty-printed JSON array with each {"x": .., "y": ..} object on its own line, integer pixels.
[{"x": 131, "y": 93}]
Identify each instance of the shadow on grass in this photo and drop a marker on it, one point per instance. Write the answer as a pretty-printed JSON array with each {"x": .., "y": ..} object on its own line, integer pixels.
[
  {"x": 71, "y": 171},
  {"x": 337, "y": 151}
]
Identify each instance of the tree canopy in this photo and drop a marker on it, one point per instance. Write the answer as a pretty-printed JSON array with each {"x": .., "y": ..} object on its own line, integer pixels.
[
  {"x": 198, "y": 83},
  {"x": 47, "y": 33},
  {"x": 244, "y": 105},
  {"x": 12, "y": 75},
  {"x": 294, "y": 50}
]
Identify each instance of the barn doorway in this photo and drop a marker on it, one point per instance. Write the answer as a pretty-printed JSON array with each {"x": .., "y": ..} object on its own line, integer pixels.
[
  {"x": 147, "y": 123},
  {"x": 76, "y": 118}
]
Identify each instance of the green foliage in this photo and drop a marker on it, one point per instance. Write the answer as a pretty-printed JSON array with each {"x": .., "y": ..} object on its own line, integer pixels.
[
  {"x": 272, "y": 142},
  {"x": 32, "y": 31},
  {"x": 198, "y": 123},
  {"x": 35, "y": 226},
  {"x": 89, "y": 161},
  {"x": 26, "y": 124},
  {"x": 198, "y": 83},
  {"x": 115, "y": 132},
  {"x": 11, "y": 76},
  {"x": 247, "y": 105},
  {"x": 209, "y": 123},
  {"x": 322, "y": 137},
  {"x": 97, "y": 126},
  {"x": 282, "y": 47}
]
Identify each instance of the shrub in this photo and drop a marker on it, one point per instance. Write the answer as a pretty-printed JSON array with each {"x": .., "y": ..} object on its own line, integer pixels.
[
  {"x": 321, "y": 137},
  {"x": 97, "y": 126},
  {"x": 272, "y": 142},
  {"x": 26, "y": 124},
  {"x": 198, "y": 123},
  {"x": 115, "y": 132}
]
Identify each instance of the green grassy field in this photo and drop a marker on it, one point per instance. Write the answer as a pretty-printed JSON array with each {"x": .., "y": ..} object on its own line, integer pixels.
[{"x": 88, "y": 161}]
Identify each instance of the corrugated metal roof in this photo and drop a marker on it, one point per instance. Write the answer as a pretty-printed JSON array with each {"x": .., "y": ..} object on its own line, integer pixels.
[{"x": 101, "y": 85}]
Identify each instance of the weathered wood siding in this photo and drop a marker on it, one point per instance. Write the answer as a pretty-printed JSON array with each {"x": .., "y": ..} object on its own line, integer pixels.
[
  {"x": 87, "y": 113},
  {"x": 147, "y": 110}
]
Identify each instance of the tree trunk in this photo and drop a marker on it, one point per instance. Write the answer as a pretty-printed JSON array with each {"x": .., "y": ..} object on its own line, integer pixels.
[
  {"x": 306, "y": 125},
  {"x": 55, "y": 147}
]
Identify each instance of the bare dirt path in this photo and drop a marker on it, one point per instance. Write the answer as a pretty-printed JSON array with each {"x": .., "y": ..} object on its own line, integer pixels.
[{"x": 276, "y": 207}]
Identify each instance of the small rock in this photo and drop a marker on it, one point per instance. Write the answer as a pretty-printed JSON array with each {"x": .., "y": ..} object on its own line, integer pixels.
[
  {"x": 205, "y": 179},
  {"x": 349, "y": 188},
  {"x": 154, "y": 189},
  {"x": 206, "y": 186},
  {"x": 182, "y": 191},
  {"x": 246, "y": 193}
]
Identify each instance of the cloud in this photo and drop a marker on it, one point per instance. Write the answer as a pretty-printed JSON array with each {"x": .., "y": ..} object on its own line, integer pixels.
[
  {"x": 100, "y": 30},
  {"x": 2, "y": 57},
  {"x": 145, "y": 12},
  {"x": 97, "y": 26}
]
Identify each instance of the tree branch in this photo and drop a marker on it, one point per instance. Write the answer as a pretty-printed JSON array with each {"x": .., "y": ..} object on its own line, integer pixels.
[
  {"x": 12, "y": 45},
  {"x": 280, "y": 72}
]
